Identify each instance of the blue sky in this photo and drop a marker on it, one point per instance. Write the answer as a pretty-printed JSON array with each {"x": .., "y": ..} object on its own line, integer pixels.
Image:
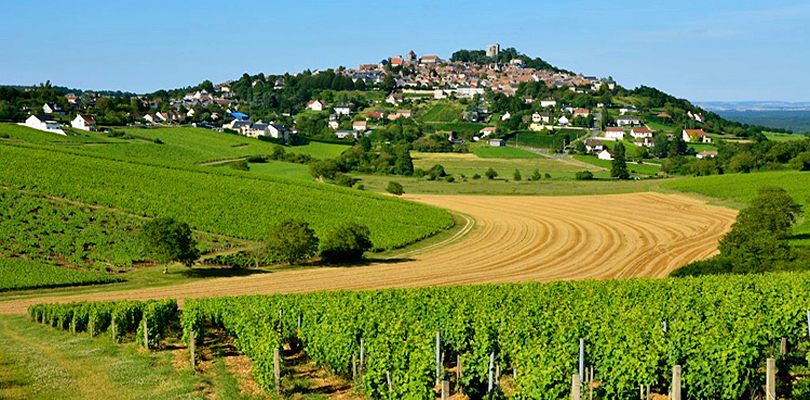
[{"x": 700, "y": 50}]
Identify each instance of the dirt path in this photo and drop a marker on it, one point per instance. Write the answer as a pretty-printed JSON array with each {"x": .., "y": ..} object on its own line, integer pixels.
[{"x": 514, "y": 239}]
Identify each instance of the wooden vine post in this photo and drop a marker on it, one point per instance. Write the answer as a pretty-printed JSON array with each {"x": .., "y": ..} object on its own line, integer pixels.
[
  {"x": 192, "y": 348},
  {"x": 770, "y": 380},
  {"x": 277, "y": 369},
  {"x": 459, "y": 372},
  {"x": 388, "y": 380},
  {"x": 145, "y": 334},
  {"x": 438, "y": 357},
  {"x": 783, "y": 347},
  {"x": 491, "y": 371},
  {"x": 676, "y": 382},
  {"x": 73, "y": 324},
  {"x": 114, "y": 336},
  {"x": 576, "y": 387},
  {"x": 445, "y": 390}
]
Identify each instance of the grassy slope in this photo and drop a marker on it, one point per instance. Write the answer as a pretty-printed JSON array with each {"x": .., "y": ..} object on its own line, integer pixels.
[
  {"x": 741, "y": 188},
  {"x": 16, "y": 273},
  {"x": 470, "y": 164},
  {"x": 502, "y": 152},
  {"x": 38, "y": 362},
  {"x": 227, "y": 202},
  {"x": 643, "y": 169},
  {"x": 442, "y": 111}
]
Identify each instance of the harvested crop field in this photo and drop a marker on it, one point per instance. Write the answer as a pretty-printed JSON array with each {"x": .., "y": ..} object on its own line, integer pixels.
[{"x": 507, "y": 239}]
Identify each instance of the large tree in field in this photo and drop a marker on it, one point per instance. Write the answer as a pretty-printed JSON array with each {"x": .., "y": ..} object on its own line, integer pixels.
[
  {"x": 346, "y": 243},
  {"x": 619, "y": 165},
  {"x": 292, "y": 241},
  {"x": 166, "y": 240}
]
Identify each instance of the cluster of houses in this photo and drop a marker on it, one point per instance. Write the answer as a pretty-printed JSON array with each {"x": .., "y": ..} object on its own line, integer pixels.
[
  {"x": 641, "y": 136},
  {"x": 242, "y": 124},
  {"x": 46, "y": 120},
  {"x": 466, "y": 79}
]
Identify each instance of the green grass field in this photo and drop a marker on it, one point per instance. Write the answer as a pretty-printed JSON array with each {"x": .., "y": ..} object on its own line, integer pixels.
[
  {"x": 216, "y": 200},
  {"x": 659, "y": 127},
  {"x": 561, "y": 184},
  {"x": 469, "y": 164},
  {"x": 783, "y": 137},
  {"x": 702, "y": 147},
  {"x": 44, "y": 363},
  {"x": 441, "y": 111},
  {"x": 741, "y": 188},
  {"x": 282, "y": 169},
  {"x": 179, "y": 144},
  {"x": 467, "y": 129},
  {"x": 487, "y": 151},
  {"x": 634, "y": 168}
]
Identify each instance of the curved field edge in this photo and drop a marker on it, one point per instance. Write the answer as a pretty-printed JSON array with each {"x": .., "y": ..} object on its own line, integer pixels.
[
  {"x": 514, "y": 239},
  {"x": 228, "y": 204},
  {"x": 739, "y": 189}
]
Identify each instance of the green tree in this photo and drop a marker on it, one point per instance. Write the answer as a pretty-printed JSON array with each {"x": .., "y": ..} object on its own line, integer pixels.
[
  {"x": 346, "y": 243},
  {"x": 490, "y": 173},
  {"x": 660, "y": 145},
  {"x": 166, "y": 240},
  {"x": 404, "y": 163},
  {"x": 536, "y": 176},
  {"x": 395, "y": 188},
  {"x": 742, "y": 162},
  {"x": 240, "y": 165},
  {"x": 292, "y": 241},
  {"x": 516, "y": 176},
  {"x": 583, "y": 175},
  {"x": 618, "y": 167}
]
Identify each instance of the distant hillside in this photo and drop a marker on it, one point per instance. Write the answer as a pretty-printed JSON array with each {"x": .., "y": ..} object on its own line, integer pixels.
[{"x": 796, "y": 121}]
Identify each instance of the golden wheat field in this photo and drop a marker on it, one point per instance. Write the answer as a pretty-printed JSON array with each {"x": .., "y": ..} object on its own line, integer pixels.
[{"x": 505, "y": 239}]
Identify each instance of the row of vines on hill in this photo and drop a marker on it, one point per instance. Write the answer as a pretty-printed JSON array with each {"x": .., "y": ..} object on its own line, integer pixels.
[
  {"x": 214, "y": 200},
  {"x": 118, "y": 319},
  {"x": 719, "y": 329}
]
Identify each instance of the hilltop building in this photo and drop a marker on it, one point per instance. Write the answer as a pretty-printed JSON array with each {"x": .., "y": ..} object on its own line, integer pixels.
[{"x": 493, "y": 50}]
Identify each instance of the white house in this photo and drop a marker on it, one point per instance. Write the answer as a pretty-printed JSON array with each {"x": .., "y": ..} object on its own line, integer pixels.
[
  {"x": 627, "y": 109},
  {"x": 497, "y": 142},
  {"x": 343, "y": 110},
  {"x": 581, "y": 112},
  {"x": 52, "y": 108},
  {"x": 641, "y": 133},
  {"x": 695, "y": 136},
  {"x": 506, "y": 116},
  {"x": 316, "y": 105},
  {"x": 563, "y": 121},
  {"x": 84, "y": 122},
  {"x": 548, "y": 103},
  {"x": 394, "y": 98},
  {"x": 605, "y": 155},
  {"x": 344, "y": 134},
  {"x": 592, "y": 145},
  {"x": 42, "y": 123},
  {"x": 486, "y": 131},
  {"x": 333, "y": 124},
  {"x": 614, "y": 133},
  {"x": 628, "y": 120},
  {"x": 360, "y": 126},
  {"x": 278, "y": 132},
  {"x": 706, "y": 154}
]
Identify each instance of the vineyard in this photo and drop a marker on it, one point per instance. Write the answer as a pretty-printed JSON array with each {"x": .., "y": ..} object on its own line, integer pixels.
[
  {"x": 226, "y": 203},
  {"x": 17, "y": 273},
  {"x": 49, "y": 232},
  {"x": 399, "y": 343}
]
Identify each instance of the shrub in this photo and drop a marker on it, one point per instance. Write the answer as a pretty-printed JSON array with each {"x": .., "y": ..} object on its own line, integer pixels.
[
  {"x": 449, "y": 179},
  {"x": 394, "y": 188},
  {"x": 491, "y": 174},
  {"x": 476, "y": 176},
  {"x": 346, "y": 243},
  {"x": 240, "y": 165},
  {"x": 547, "y": 175},
  {"x": 536, "y": 176},
  {"x": 584, "y": 175},
  {"x": 346, "y": 180},
  {"x": 292, "y": 241},
  {"x": 517, "y": 175}
]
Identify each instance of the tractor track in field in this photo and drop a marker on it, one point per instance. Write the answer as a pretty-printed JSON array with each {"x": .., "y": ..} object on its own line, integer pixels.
[{"x": 512, "y": 239}]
